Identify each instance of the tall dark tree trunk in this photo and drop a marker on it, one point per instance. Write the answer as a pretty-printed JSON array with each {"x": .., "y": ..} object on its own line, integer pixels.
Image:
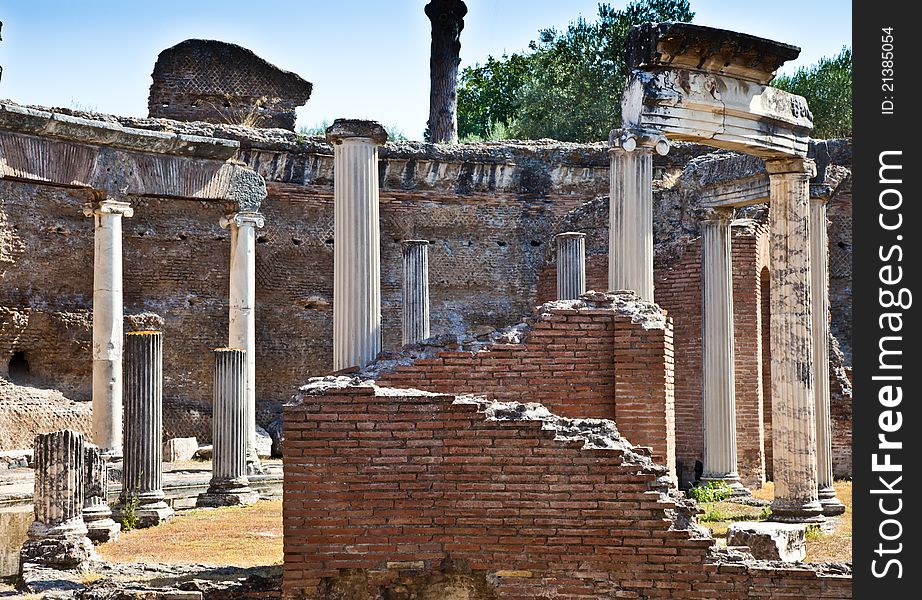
[{"x": 447, "y": 17}]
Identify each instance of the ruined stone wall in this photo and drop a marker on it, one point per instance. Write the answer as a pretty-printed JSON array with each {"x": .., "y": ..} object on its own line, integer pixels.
[
  {"x": 581, "y": 359},
  {"x": 461, "y": 497}
]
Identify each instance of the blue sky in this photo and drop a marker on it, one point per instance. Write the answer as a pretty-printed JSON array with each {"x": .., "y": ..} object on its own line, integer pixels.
[{"x": 366, "y": 58}]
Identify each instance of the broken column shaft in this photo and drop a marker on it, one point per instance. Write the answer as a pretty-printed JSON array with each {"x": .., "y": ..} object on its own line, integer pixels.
[
  {"x": 793, "y": 368},
  {"x": 415, "y": 291},
  {"x": 571, "y": 265},
  {"x": 57, "y": 537},
  {"x": 142, "y": 479},
  {"x": 357, "y": 243},
  {"x": 242, "y": 311},
  {"x": 718, "y": 380},
  {"x": 96, "y": 511},
  {"x": 819, "y": 265},
  {"x": 229, "y": 484},
  {"x": 107, "y": 323},
  {"x": 630, "y": 248}
]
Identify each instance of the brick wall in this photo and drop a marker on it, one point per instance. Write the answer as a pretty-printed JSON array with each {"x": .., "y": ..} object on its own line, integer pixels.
[
  {"x": 399, "y": 494},
  {"x": 580, "y": 360}
]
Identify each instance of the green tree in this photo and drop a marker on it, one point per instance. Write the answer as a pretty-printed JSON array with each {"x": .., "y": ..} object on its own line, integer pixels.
[
  {"x": 827, "y": 86},
  {"x": 567, "y": 85}
]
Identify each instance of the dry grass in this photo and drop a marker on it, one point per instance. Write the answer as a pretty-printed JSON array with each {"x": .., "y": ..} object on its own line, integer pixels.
[
  {"x": 834, "y": 546},
  {"x": 240, "y": 537}
]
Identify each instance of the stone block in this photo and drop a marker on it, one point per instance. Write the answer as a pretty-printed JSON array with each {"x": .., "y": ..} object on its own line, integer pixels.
[
  {"x": 770, "y": 541},
  {"x": 263, "y": 443},
  {"x": 177, "y": 449}
]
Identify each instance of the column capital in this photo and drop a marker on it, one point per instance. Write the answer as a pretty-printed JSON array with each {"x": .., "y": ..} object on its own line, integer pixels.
[
  {"x": 717, "y": 214},
  {"x": 569, "y": 234},
  {"x": 343, "y": 129},
  {"x": 107, "y": 207},
  {"x": 644, "y": 140},
  {"x": 415, "y": 242},
  {"x": 795, "y": 166},
  {"x": 239, "y": 219}
]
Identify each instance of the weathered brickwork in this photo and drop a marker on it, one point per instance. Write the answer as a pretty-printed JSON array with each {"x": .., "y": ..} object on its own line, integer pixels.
[
  {"x": 217, "y": 82},
  {"x": 579, "y": 361},
  {"x": 400, "y": 493}
]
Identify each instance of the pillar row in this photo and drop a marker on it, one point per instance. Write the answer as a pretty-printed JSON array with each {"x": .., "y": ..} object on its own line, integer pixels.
[
  {"x": 630, "y": 248},
  {"x": 107, "y": 323},
  {"x": 819, "y": 265},
  {"x": 229, "y": 484},
  {"x": 142, "y": 474},
  {"x": 793, "y": 369},
  {"x": 571, "y": 265},
  {"x": 415, "y": 291},
  {"x": 357, "y": 242},
  {"x": 717, "y": 338},
  {"x": 242, "y": 311}
]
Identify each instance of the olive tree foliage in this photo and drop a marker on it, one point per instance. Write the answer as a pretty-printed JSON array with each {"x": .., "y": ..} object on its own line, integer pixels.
[
  {"x": 827, "y": 86},
  {"x": 567, "y": 85}
]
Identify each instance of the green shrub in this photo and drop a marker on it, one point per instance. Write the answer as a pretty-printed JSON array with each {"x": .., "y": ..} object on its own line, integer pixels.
[{"x": 712, "y": 491}]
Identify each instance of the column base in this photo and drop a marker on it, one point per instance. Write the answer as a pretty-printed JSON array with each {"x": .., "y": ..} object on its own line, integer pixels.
[
  {"x": 790, "y": 512},
  {"x": 218, "y": 496},
  {"x": 103, "y": 530},
  {"x": 63, "y": 546},
  {"x": 830, "y": 504},
  {"x": 732, "y": 480}
]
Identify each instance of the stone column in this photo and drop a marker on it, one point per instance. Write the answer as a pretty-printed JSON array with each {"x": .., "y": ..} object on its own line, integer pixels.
[
  {"x": 571, "y": 265},
  {"x": 229, "y": 484},
  {"x": 107, "y": 323},
  {"x": 630, "y": 246},
  {"x": 242, "y": 312},
  {"x": 415, "y": 291},
  {"x": 57, "y": 537},
  {"x": 792, "y": 368},
  {"x": 142, "y": 471},
  {"x": 718, "y": 380},
  {"x": 357, "y": 244},
  {"x": 819, "y": 265},
  {"x": 96, "y": 511}
]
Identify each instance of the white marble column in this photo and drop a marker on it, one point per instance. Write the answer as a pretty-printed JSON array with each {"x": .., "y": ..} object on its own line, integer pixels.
[
  {"x": 793, "y": 367},
  {"x": 57, "y": 537},
  {"x": 107, "y": 323},
  {"x": 357, "y": 243},
  {"x": 819, "y": 269},
  {"x": 242, "y": 310},
  {"x": 415, "y": 291},
  {"x": 718, "y": 379},
  {"x": 630, "y": 247},
  {"x": 142, "y": 471},
  {"x": 96, "y": 511},
  {"x": 571, "y": 265}
]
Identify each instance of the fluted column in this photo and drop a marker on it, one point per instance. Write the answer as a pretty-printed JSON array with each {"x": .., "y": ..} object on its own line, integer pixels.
[
  {"x": 107, "y": 323},
  {"x": 819, "y": 269},
  {"x": 57, "y": 537},
  {"x": 571, "y": 265},
  {"x": 357, "y": 243},
  {"x": 415, "y": 291},
  {"x": 793, "y": 366},
  {"x": 242, "y": 311},
  {"x": 229, "y": 484},
  {"x": 718, "y": 380},
  {"x": 142, "y": 471},
  {"x": 96, "y": 511},
  {"x": 630, "y": 246}
]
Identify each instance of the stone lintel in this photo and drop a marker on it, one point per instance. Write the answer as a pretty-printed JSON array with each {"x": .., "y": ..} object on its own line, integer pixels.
[
  {"x": 696, "y": 47},
  {"x": 719, "y": 111},
  {"x": 736, "y": 181},
  {"x": 356, "y": 128},
  {"x": 81, "y": 130}
]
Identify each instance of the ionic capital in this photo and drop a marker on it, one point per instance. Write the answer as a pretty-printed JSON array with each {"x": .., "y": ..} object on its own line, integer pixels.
[
  {"x": 791, "y": 167},
  {"x": 241, "y": 219},
  {"x": 107, "y": 207},
  {"x": 643, "y": 140},
  {"x": 719, "y": 215},
  {"x": 343, "y": 129}
]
